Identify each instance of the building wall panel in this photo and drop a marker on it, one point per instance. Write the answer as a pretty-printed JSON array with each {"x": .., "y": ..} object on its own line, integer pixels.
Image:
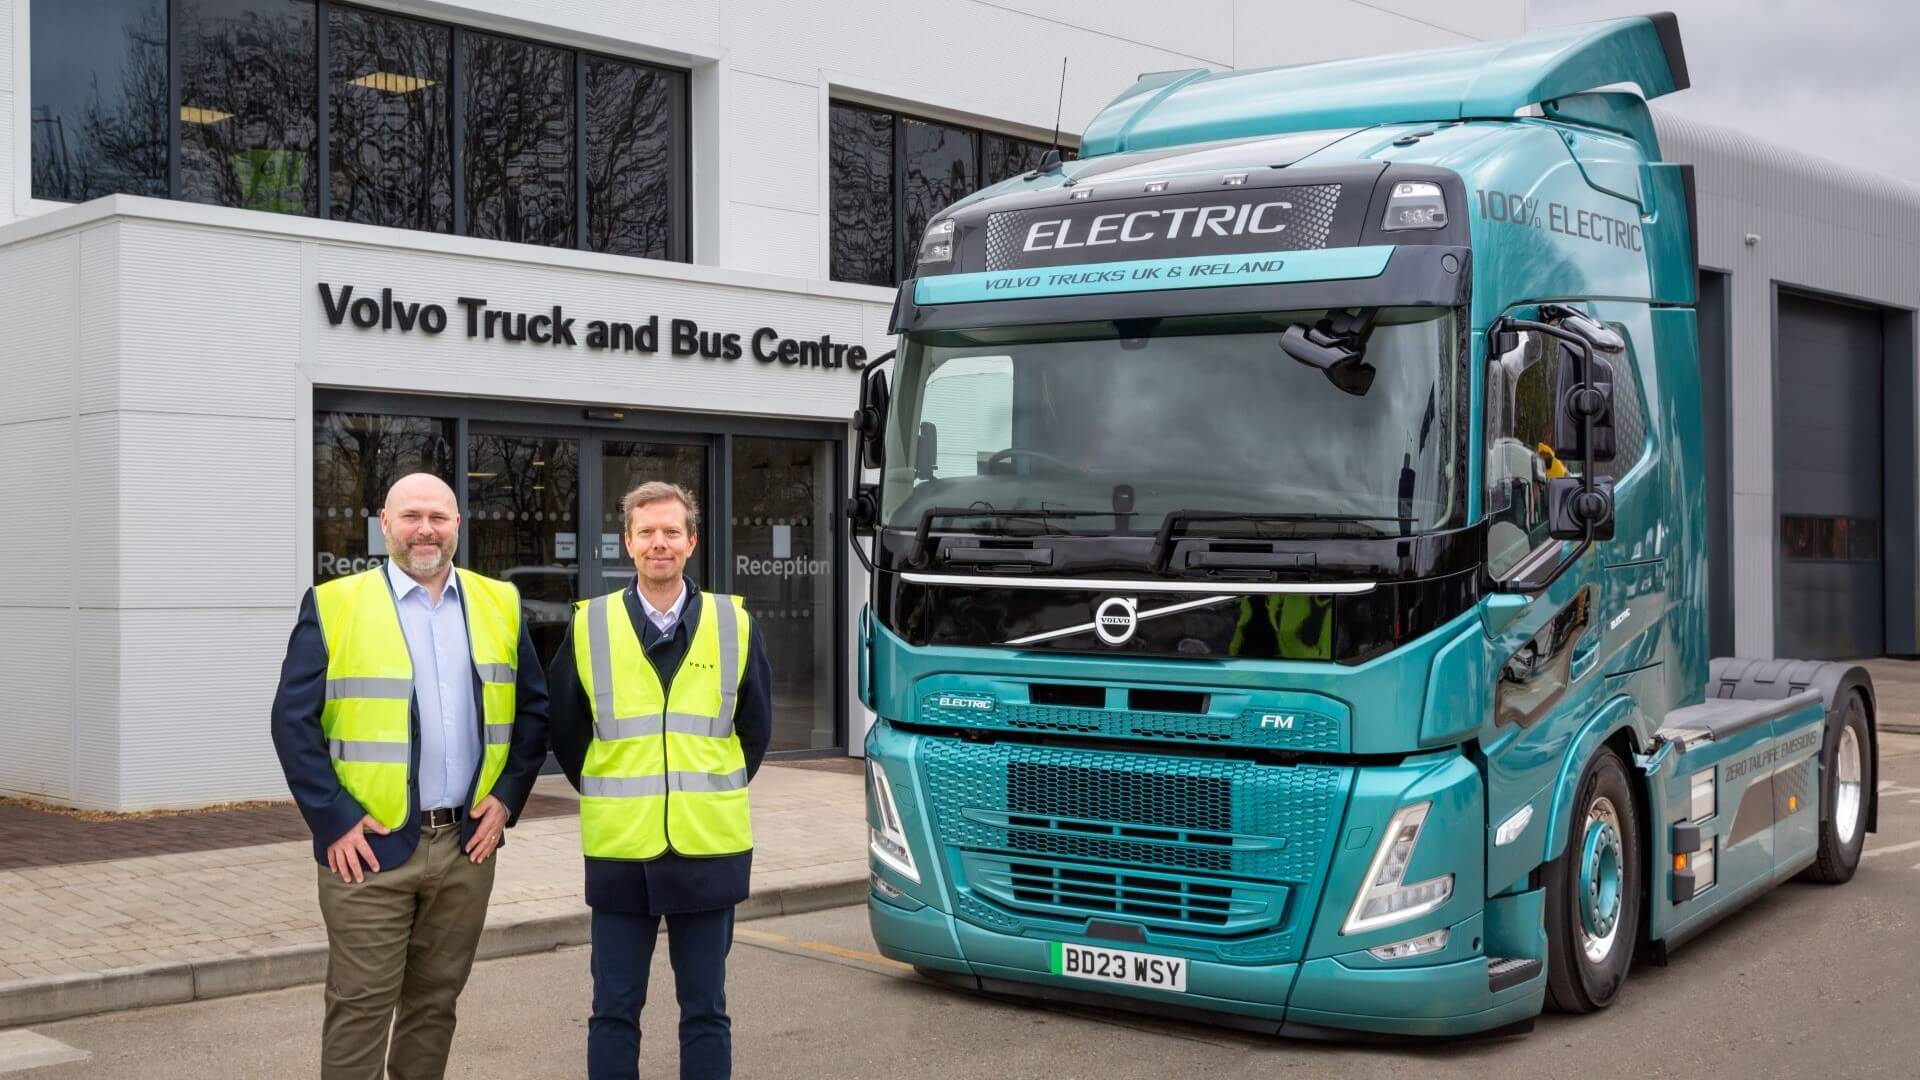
[
  {"x": 100, "y": 310},
  {"x": 37, "y": 568},
  {"x": 213, "y": 668},
  {"x": 1270, "y": 34},
  {"x": 215, "y": 496},
  {"x": 214, "y": 321},
  {"x": 775, "y": 168},
  {"x": 37, "y": 682},
  {"x": 39, "y": 317},
  {"x": 95, "y": 715}
]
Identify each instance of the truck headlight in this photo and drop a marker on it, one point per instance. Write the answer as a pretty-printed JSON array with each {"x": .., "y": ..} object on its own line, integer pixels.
[
  {"x": 1415, "y": 205},
  {"x": 1385, "y": 898},
  {"x": 888, "y": 840},
  {"x": 937, "y": 245}
]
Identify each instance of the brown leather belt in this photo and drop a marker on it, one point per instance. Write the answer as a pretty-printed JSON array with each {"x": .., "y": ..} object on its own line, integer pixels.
[{"x": 445, "y": 817}]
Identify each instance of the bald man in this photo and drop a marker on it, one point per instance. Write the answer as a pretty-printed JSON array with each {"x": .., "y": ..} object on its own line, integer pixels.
[{"x": 411, "y": 721}]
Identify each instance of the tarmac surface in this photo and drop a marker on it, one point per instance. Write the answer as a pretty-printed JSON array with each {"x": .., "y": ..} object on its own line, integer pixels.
[{"x": 1809, "y": 980}]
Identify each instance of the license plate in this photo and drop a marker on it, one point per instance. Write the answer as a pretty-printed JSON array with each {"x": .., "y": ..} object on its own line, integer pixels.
[{"x": 1119, "y": 966}]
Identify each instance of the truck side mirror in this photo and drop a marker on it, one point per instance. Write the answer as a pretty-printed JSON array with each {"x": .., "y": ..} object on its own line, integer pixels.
[
  {"x": 1577, "y": 399},
  {"x": 870, "y": 421},
  {"x": 1573, "y": 507}
]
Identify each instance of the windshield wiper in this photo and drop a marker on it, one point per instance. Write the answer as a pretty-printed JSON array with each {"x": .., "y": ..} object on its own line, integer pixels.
[
  {"x": 1163, "y": 540},
  {"x": 917, "y": 555}
]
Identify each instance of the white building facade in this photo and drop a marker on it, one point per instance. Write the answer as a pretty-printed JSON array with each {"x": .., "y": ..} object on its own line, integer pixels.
[{"x": 258, "y": 258}]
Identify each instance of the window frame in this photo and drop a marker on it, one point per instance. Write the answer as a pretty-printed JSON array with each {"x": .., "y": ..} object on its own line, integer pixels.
[
  {"x": 680, "y": 149},
  {"x": 902, "y": 248}
]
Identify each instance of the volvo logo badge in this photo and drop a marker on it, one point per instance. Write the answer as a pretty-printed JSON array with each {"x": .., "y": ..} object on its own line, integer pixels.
[{"x": 1116, "y": 618}]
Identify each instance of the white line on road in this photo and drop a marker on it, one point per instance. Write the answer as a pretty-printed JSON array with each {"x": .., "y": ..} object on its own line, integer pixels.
[
  {"x": 21, "y": 1049},
  {"x": 1890, "y": 849}
]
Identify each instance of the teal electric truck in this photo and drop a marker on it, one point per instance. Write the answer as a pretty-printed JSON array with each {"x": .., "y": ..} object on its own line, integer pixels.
[{"x": 1288, "y": 559}]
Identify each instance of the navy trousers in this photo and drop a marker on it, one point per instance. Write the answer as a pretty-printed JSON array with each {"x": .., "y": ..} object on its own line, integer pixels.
[{"x": 697, "y": 944}]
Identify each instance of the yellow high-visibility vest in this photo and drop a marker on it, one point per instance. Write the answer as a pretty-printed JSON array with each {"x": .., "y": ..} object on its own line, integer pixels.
[
  {"x": 664, "y": 770},
  {"x": 366, "y": 718}
]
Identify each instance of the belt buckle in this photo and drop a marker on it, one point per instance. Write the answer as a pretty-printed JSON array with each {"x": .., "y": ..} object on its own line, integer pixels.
[{"x": 444, "y": 817}]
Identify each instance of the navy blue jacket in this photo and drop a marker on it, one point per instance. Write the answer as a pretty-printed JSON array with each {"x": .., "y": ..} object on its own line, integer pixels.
[
  {"x": 671, "y": 883},
  {"x": 330, "y": 811}
]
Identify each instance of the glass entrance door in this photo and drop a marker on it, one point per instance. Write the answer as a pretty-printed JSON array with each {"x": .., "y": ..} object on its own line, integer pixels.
[
  {"x": 523, "y": 499},
  {"x": 785, "y": 565},
  {"x": 625, "y": 464}
]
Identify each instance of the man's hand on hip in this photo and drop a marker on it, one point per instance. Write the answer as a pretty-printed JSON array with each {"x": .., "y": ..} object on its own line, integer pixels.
[
  {"x": 345, "y": 855},
  {"x": 490, "y": 820}
]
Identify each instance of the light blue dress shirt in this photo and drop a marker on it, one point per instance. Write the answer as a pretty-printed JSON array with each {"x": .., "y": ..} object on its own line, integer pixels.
[{"x": 442, "y": 688}]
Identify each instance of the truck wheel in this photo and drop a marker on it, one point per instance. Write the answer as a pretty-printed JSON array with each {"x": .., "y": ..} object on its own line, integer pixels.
[
  {"x": 1593, "y": 892},
  {"x": 1846, "y": 771}
]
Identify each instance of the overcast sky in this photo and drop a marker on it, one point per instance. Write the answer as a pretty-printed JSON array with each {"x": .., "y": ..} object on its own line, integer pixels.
[{"x": 1839, "y": 78}]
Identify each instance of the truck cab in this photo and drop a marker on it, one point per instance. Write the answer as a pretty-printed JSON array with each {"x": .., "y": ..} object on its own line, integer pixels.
[{"x": 1286, "y": 530}]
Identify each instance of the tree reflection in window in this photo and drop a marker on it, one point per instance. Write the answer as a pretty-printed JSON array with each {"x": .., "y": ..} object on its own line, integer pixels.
[
  {"x": 860, "y": 167},
  {"x": 391, "y": 160},
  {"x": 942, "y": 168},
  {"x": 629, "y": 167},
  {"x": 519, "y": 141},
  {"x": 356, "y": 458},
  {"x": 99, "y": 108},
  {"x": 248, "y": 119},
  {"x": 878, "y": 218}
]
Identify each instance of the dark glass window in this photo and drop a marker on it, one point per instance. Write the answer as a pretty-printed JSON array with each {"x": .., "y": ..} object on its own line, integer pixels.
[
  {"x": 248, "y": 116},
  {"x": 519, "y": 141},
  {"x": 1010, "y": 157},
  {"x": 878, "y": 217},
  {"x": 1830, "y": 539},
  {"x": 99, "y": 98},
  {"x": 630, "y": 163},
  {"x": 247, "y": 131},
  {"x": 860, "y": 178},
  {"x": 942, "y": 167},
  {"x": 356, "y": 458},
  {"x": 388, "y": 127}
]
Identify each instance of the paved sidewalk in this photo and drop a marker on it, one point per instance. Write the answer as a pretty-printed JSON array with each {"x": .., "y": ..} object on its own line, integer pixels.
[{"x": 122, "y": 933}]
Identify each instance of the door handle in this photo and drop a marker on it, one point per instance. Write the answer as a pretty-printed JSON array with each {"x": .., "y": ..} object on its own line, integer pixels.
[{"x": 1585, "y": 652}]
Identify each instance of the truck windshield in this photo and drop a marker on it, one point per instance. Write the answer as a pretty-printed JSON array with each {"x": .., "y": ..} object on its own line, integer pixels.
[{"x": 1127, "y": 421}]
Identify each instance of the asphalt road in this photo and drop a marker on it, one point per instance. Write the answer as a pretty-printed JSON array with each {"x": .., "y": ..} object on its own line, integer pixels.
[{"x": 1809, "y": 981}]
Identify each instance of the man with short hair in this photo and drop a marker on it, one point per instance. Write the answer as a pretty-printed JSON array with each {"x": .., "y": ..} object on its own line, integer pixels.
[
  {"x": 411, "y": 724},
  {"x": 662, "y": 712}
]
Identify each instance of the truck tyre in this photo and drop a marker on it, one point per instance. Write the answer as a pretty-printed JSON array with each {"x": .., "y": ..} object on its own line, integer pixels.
[
  {"x": 1593, "y": 892},
  {"x": 1846, "y": 786}
]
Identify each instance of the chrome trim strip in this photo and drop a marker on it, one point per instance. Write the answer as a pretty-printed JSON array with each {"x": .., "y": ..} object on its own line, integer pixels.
[
  {"x": 1149, "y": 587},
  {"x": 1138, "y": 617}
]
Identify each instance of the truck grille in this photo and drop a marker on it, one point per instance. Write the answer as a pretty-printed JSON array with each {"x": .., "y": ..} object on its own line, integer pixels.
[
  {"x": 1079, "y": 890},
  {"x": 1096, "y": 813},
  {"x": 1202, "y": 845}
]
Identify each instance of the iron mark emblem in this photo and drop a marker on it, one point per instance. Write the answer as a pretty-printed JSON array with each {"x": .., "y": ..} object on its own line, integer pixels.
[{"x": 1116, "y": 619}]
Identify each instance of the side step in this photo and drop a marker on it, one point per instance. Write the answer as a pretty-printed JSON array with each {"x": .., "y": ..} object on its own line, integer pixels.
[{"x": 1506, "y": 971}]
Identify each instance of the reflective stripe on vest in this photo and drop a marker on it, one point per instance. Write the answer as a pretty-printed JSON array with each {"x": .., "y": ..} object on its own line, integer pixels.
[
  {"x": 664, "y": 768},
  {"x": 493, "y": 633},
  {"x": 367, "y": 718}
]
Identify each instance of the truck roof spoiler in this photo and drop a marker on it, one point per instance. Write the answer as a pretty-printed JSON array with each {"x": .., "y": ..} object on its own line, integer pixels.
[{"x": 1493, "y": 79}]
